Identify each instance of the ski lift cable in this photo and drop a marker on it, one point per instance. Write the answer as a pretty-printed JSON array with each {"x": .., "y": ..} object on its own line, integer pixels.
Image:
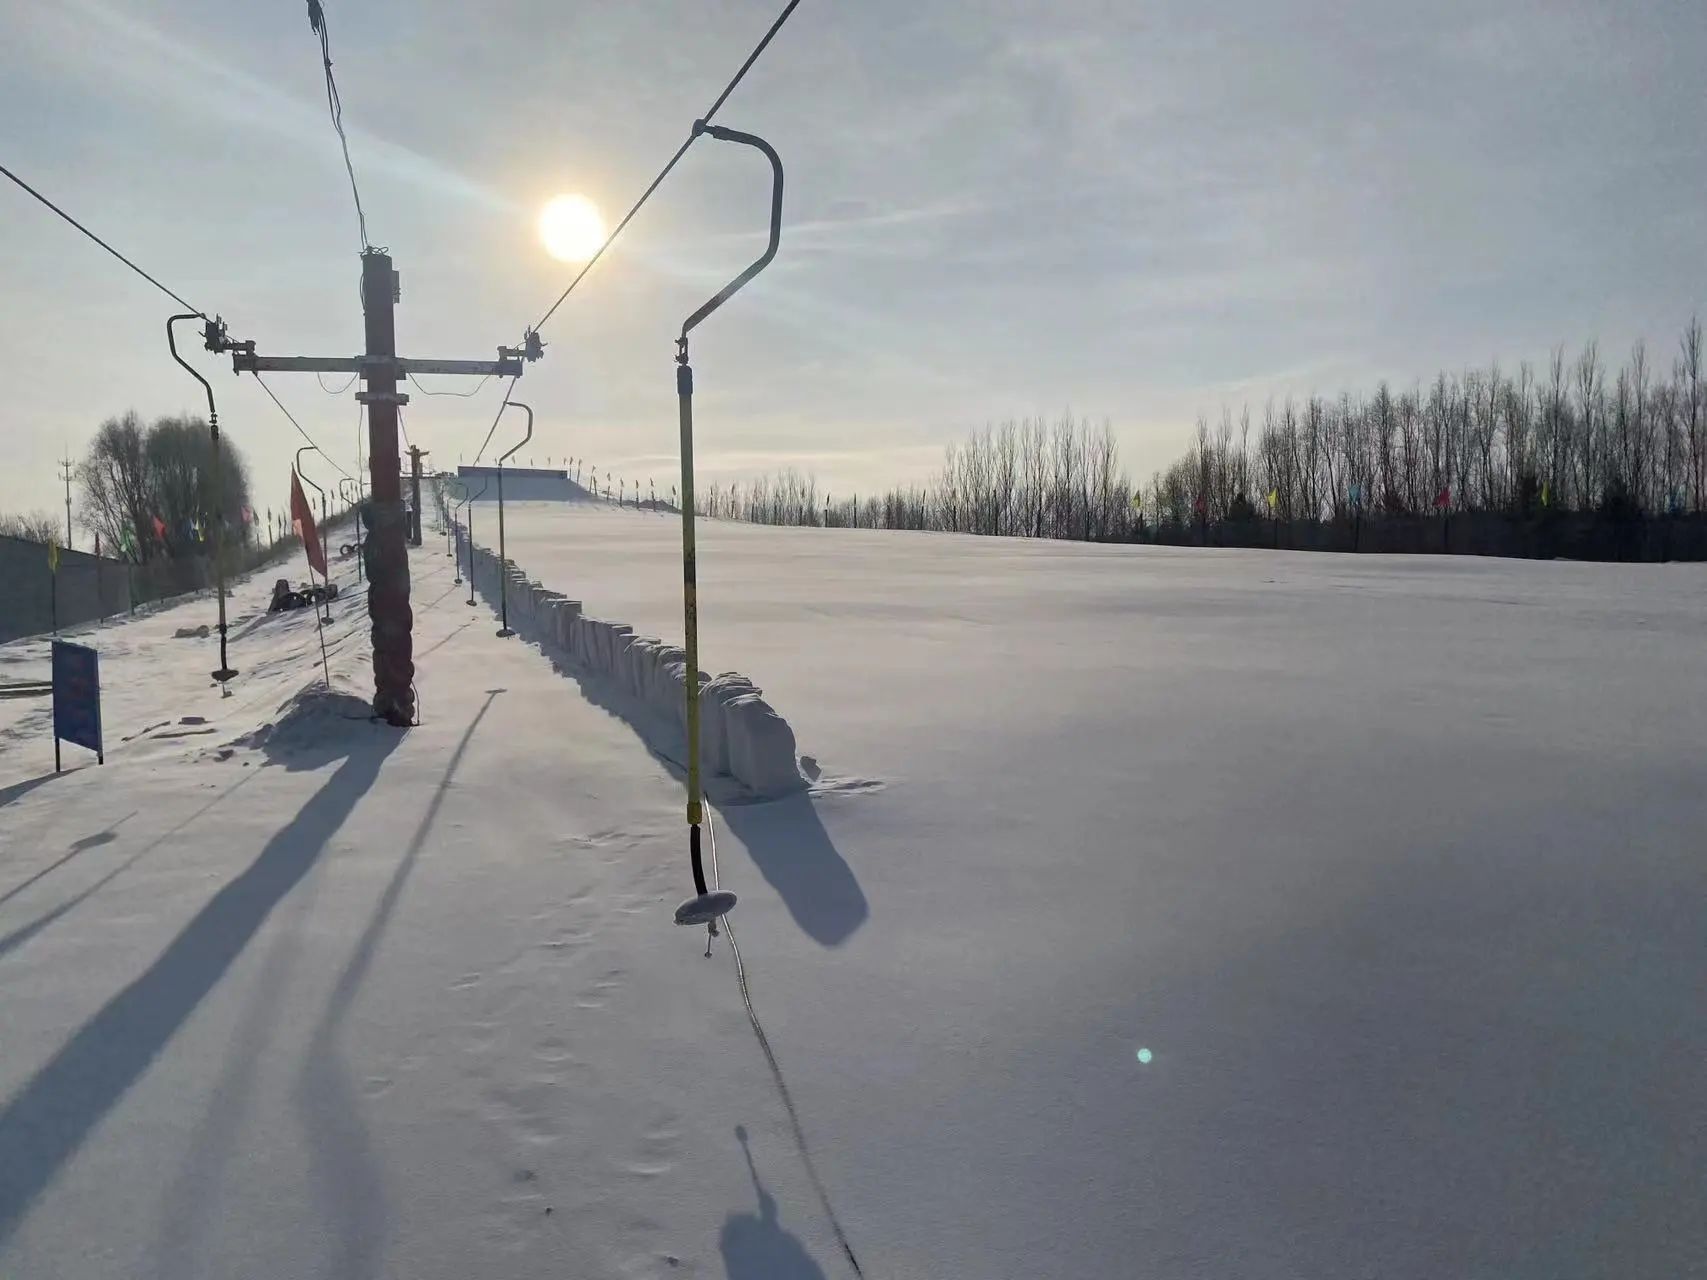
[
  {"x": 335, "y": 105},
  {"x": 670, "y": 164},
  {"x": 97, "y": 239},
  {"x": 293, "y": 422}
]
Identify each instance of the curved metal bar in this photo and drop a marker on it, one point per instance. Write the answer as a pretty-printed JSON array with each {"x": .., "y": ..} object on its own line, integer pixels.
[
  {"x": 764, "y": 260},
  {"x": 503, "y": 555},
  {"x": 303, "y": 475},
  {"x": 517, "y": 404},
  {"x": 225, "y": 672}
]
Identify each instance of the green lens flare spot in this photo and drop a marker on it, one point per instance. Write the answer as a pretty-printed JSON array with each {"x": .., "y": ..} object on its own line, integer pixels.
[{"x": 1144, "y": 1056}]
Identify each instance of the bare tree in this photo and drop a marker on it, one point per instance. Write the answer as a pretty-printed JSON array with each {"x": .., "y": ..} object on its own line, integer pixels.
[
  {"x": 32, "y": 526},
  {"x": 1692, "y": 410},
  {"x": 116, "y": 488}
]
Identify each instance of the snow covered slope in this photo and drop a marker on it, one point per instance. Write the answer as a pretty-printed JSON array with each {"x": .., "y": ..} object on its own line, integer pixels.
[
  {"x": 1391, "y": 868},
  {"x": 1393, "y": 865},
  {"x": 302, "y": 996}
]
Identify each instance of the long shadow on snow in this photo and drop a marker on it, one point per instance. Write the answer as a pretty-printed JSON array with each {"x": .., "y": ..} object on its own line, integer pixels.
[
  {"x": 48, "y": 1119},
  {"x": 24, "y": 933},
  {"x": 785, "y": 838},
  {"x": 354, "y": 1193},
  {"x": 755, "y": 1246},
  {"x": 788, "y": 844},
  {"x": 194, "y": 1200},
  {"x": 19, "y": 789},
  {"x": 77, "y": 847}
]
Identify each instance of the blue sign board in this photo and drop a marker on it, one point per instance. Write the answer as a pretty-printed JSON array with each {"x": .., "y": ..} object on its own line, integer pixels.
[{"x": 76, "y": 698}]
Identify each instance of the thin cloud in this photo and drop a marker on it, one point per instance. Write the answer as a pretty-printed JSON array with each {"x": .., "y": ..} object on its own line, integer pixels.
[{"x": 86, "y": 36}]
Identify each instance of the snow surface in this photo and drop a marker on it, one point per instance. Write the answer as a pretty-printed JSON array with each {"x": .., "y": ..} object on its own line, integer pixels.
[{"x": 1392, "y": 866}]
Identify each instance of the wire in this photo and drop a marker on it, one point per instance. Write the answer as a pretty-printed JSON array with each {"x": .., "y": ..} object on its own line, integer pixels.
[
  {"x": 293, "y": 422},
  {"x": 461, "y": 395},
  {"x": 317, "y": 21},
  {"x": 751, "y": 59},
  {"x": 340, "y": 391},
  {"x": 495, "y": 417},
  {"x": 776, "y": 1068},
  {"x": 97, "y": 239},
  {"x": 402, "y": 428},
  {"x": 671, "y": 163}
]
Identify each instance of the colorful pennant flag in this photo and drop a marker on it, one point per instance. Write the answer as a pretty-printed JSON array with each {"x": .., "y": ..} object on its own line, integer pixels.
[{"x": 302, "y": 517}]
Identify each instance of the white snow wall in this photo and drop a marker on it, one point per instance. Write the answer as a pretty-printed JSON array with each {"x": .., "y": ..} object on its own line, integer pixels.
[{"x": 741, "y": 736}]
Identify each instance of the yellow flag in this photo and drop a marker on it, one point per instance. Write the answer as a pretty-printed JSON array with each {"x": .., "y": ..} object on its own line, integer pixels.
[
  {"x": 53, "y": 557},
  {"x": 1273, "y": 498}
]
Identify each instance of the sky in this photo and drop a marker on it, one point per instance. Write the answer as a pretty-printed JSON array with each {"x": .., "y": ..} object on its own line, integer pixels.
[{"x": 1136, "y": 212}]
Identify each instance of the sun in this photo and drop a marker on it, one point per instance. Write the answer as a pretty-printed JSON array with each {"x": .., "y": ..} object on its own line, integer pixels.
[{"x": 571, "y": 228}]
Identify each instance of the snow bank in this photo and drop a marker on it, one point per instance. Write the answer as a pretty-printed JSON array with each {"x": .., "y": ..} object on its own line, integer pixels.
[{"x": 741, "y": 735}]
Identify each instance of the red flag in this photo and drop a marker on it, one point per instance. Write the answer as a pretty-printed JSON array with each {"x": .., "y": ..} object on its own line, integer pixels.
[
  {"x": 1443, "y": 498},
  {"x": 159, "y": 529},
  {"x": 302, "y": 519}
]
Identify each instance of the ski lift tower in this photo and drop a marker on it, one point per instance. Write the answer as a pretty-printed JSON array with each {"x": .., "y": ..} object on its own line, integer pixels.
[{"x": 385, "y": 550}]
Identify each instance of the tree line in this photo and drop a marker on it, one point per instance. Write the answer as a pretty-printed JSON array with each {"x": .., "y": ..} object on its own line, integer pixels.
[
  {"x": 31, "y": 526},
  {"x": 1572, "y": 436},
  {"x": 1027, "y": 478}
]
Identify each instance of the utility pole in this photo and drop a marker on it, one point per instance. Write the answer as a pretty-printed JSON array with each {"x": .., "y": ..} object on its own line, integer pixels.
[
  {"x": 416, "y": 453},
  {"x": 388, "y": 560},
  {"x": 385, "y": 550},
  {"x": 65, "y": 466}
]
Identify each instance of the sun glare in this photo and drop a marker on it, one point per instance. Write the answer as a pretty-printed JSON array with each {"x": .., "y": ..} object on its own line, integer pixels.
[{"x": 571, "y": 228}]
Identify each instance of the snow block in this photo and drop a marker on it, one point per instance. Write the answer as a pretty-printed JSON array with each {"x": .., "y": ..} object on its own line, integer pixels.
[
  {"x": 715, "y": 695},
  {"x": 567, "y": 612},
  {"x": 761, "y": 747},
  {"x": 741, "y": 735}
]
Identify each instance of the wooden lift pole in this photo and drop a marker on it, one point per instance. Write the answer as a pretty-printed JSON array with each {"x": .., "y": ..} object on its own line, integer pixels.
[{"x": 385, "y": 551}]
